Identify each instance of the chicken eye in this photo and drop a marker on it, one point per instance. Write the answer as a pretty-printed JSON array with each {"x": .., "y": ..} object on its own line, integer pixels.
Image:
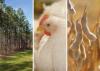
[{"x": 48, "y": 24}]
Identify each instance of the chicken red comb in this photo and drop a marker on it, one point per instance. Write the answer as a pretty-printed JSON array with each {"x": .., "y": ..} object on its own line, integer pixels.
[{"x": 44, "y": 17}]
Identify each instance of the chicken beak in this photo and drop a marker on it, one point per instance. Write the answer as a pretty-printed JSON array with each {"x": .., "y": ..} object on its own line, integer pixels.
[{"x": 42, "y": 30}]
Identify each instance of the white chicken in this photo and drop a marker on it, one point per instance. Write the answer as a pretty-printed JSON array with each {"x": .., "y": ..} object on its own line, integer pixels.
[{"x": 52, "y": 56}]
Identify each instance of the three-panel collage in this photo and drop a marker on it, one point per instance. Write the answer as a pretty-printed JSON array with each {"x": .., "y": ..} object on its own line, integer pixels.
[{"x": 49, "y": 35}]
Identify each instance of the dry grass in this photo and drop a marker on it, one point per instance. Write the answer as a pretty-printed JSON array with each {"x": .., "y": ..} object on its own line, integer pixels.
[{"x": 92, "y": 51}]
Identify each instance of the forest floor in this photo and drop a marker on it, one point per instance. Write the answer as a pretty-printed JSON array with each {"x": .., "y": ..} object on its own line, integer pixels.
[{"x": 20, "y": 61}]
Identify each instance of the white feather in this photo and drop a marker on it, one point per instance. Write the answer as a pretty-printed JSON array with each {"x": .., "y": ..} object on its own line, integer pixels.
[
  {"x": 57, "y": 9},
  {"x": 52, "y": 57}
]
